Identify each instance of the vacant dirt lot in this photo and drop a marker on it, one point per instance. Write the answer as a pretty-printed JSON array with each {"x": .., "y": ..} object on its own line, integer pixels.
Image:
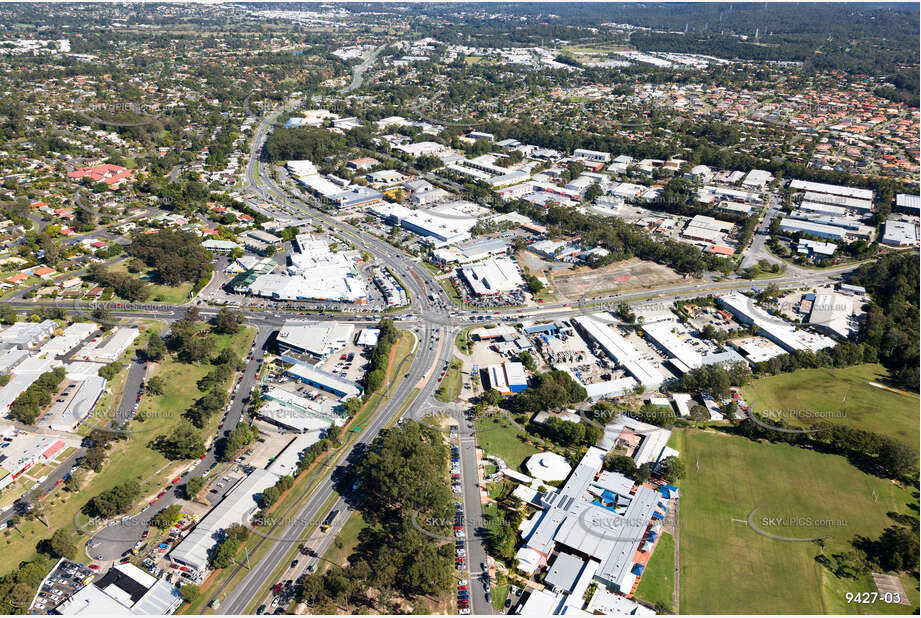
[{"x": 632, "y": 274}]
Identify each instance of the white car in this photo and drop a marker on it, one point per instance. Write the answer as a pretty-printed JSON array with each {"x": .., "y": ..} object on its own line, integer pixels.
[{"x": 464, "y": 610}]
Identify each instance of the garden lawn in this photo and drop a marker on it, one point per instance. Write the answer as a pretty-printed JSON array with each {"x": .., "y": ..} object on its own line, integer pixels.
[
  {"x": 450, "y": 386},
  {"x": 726, "y": 567},
  {"x": 131, "y": 458},
  {"x": 159, "y": 293},
  {"x": 658, "y": 581},
  {"x": 497, "y": 436},
  {"x": 846, "y": 391}
]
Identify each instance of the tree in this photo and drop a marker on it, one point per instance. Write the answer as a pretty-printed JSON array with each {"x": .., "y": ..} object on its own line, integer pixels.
[
  {"x": 7, "y": 314},
  {"x": 193, "y": 486},
  {"x": 183, "y": 443},
  {"x": 104, "y": 317},
  {"x": 898, "y": 459},
  {"x": 111, "y": 370},
  {"x": 616, "y": 462},
  {"x": 114, "y": 501},
  {"x": 534, "y": 284},
  {"x": 156, "y": 348},
  {"x": 671, "y": 469},
  {"x": 167, "y": 517},
  {"x": 155, "y": 385},
  {"x": 227, "y": 321},
  {"x": 547, "y": 391},
  {"x": 527, "y": 360},
  {"x": 643, "y": 473},
  {"x": 492, "y": 397},
  {"x": 699, "y": 413},
  {"x": 189, "y": 593},
  {"x": 60, "y": 545}
]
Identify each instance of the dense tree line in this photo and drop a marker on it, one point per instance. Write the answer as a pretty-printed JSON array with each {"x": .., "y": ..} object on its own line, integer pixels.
[
  {"x": 875, "y": 452},
  {"x": 19, "y": 585},
  {"x": 124, "y": 285},
  {"x": 892, "y": 326},
  {"x": 27, "y": 407},
  {"x": 567, "y": 433},
  {"x": 715, "y": 379},
  {"x": 270, "y": 495},
  {"x": 184, "y": 442},
  {"x": 114, "y": 501},
  {"x": 552, "y": 390},
  {"x": 176, "y": 255},
  {"x": 241, "y": 435},
  {"x": 377, "y": 368},
  {"x": 222, "y": 554},
  {"x": 402, "y": 476},
  {"x": 312, "y": 143}
]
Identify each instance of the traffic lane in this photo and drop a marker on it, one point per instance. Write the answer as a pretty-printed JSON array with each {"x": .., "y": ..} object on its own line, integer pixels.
[
  {"x": 239, "y": 597},
  {"x": 473, "y": 515},
  {"x": 133, "y": 383}
]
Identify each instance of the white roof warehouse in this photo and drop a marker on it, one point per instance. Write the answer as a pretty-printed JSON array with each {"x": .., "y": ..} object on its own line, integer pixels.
[{"x": 236, "y": 508}]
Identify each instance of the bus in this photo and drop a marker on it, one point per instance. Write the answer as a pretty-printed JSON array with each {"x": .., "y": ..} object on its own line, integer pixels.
[{"x": 324, "y": 527}]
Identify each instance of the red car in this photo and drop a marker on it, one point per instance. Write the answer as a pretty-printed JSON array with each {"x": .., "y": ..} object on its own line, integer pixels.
[
  {"x": 94, "y": 567},
  {"x": 203, "y": 456},
  {"x": 161, "y": 494},
  {"x": 58, "y": 482},
  {"x": 176, "y": 480}
]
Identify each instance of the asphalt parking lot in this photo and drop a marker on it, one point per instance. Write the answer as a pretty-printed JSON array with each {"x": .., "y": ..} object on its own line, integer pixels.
[{"x": 61, "y": 584}]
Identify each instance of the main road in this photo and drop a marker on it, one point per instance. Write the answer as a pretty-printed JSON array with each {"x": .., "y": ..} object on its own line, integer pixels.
[{"x": 405, "y": 396}]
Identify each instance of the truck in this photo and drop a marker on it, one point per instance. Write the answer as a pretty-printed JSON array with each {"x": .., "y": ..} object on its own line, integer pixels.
[{"x": 324, "y": 527}]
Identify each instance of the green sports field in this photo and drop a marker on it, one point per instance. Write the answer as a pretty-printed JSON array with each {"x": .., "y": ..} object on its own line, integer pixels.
[
  {"x": 727, "y": 567},
  {"x": 838, "y": 395}
]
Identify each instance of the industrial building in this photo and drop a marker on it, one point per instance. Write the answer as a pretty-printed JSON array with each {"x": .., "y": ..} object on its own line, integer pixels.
[
  {"x": 591, "y": 155},
  {"x": 706, "y": 229},
  {"x": 323, "y": 380},
  {"x": 493, "y": 276},
  {"x": 110, "y": 349},
  {"x": 757, "y": 179},
  {"x": 508, "y": 378},
  {"x": 439, "y": 227},
  {"x": 908, "y": 204},
  {"x": 355, "y": 197},
  {"x": 315, "y": 340},
  {"x": 69, "y": 339},
  {"x": 832, "y": 312},
  {"x": 826, "y": 189},
  {"x": 237, "y": 507},
  {"x": 597, "y": 327},
  {"x": 901, "y": 233},
  {"x": 815, "y": 248},
  {"x": 124, "y": 589},
  {"x": 821, "y": 230},
  {"x": 472, "y": 251},
  {"x": 67, "y": 415},
  {"x": 780, "y": 332},
  {"x": 298, "y": 413},
  {"x": 23, "y": 451},
  {"x": 25, "y": 335}
]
